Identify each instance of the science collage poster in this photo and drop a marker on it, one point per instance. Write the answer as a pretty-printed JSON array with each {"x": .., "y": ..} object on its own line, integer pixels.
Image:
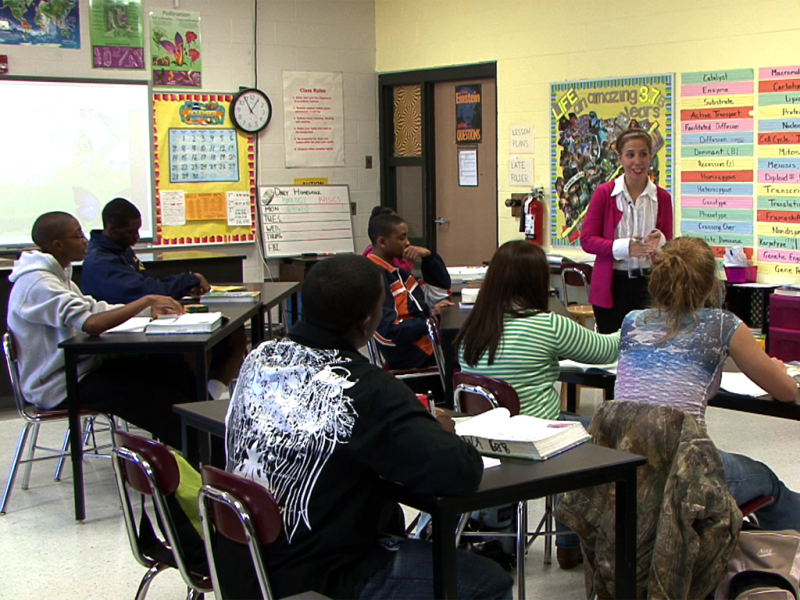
[
  {"x": 175, "y": 48},
  {"x": 116, "y": 32},
  {"x": 586, "y": 118}
]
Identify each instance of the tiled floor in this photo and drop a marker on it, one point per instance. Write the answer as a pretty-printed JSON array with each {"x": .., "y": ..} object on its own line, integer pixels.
[{"x": 45, "y": 553}]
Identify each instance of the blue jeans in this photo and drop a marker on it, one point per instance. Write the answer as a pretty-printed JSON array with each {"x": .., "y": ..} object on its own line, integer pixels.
[
  {"x": 748, "y": 479},
  {"x": 410, "y": 575}
]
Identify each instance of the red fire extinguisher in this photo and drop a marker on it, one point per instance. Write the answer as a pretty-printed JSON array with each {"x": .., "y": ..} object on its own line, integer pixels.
[{"x": 532, "y": 221}]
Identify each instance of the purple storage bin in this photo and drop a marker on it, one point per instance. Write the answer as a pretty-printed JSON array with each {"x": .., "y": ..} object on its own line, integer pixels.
[{"x": 736, "y": 274}]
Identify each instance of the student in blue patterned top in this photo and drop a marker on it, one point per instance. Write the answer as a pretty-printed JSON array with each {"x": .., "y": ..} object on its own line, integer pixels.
[{"x": 685, "y": 339}]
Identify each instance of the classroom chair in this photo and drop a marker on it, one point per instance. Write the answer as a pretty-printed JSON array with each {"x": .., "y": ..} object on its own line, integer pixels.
[
  {"x": 245, "y": 512},
  {"x": 435, "y": 335},
  {"x": 147, "y": 468},
  {"x": 577, "y": 275},
  {"x": 475, "y": 394},
  {"x": 29, "y": 436}
]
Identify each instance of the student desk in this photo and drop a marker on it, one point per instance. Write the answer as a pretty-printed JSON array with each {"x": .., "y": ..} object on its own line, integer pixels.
[
  {"x": 763, "y": 405},
  {"x": 514, "y": 480},
  {"x": 139, "y": 343}
]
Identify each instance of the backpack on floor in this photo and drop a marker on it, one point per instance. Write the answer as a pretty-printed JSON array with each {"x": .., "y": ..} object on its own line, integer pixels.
[{"x": 765, "y": 565}]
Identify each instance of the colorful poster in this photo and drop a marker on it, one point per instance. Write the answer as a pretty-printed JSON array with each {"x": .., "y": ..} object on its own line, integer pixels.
[
  {"x": 778, "y": 189},
  {"x": 717, "y": 158},
  {"x": 586, "y": 118},
  {"x": 201, "y": 163},
  {"x": 41, "y": 22},
  {"x": 468, "y": 113},
  {"x": 116, "y": 32},
  {"x": 313, "y": 107},
  {"x": 175, "y": 48}
]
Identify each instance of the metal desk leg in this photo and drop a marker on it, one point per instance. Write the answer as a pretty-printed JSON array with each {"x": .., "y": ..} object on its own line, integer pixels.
[
  {"x": 625, "y": 558},
  {"x": 201, "y": 375},
  {"x": 522, "y": 546},
  {"x": 444, "y": 525},
  {"x": 75, "y": 434},
  {"x": 572, "y": 398},
  {"x": 257, "y": 328}
]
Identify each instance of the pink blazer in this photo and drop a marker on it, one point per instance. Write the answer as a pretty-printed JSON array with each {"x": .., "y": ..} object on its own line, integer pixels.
[{"x": 597, "y": 237}]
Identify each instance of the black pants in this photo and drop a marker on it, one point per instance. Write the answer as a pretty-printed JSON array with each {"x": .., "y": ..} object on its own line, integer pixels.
[
  {"x": 141, "y": 390},
  {"x": 627, "y": 294}
]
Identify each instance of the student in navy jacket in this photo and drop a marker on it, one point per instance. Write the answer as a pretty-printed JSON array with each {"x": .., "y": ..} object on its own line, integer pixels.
[{"x": 111, "y": 269}]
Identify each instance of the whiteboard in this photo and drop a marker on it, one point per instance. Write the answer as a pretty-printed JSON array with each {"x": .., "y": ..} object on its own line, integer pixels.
[
  {"x": 73, "y": 145},
  {"x": 305, "y": 219}
]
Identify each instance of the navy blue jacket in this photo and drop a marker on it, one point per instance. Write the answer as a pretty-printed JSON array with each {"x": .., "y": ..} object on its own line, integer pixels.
[{"x": 114, "y": 274}]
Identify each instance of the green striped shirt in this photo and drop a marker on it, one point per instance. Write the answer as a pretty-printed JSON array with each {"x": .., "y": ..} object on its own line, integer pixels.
[{"x": 528, "y": 355}]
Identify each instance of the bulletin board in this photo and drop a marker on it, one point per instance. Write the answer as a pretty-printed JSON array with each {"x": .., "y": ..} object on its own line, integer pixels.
[
  {"x": 204, "y": 172},
  {"x": 309, "y": 219},
  {"x": 586, "y": 118},
  {"x": 740, "y": 164}
]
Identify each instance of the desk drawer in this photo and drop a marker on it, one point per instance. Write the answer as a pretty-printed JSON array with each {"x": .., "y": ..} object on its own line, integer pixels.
[{"x": 784, "y": 343}]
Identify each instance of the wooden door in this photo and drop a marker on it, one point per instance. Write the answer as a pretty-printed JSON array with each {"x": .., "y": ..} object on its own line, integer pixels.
[{"x": 466, "y": 215}]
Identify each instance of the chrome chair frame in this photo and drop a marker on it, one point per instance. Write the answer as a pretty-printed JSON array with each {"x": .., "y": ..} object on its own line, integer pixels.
[
  {"x": 524, "y": 538},
  {"x": 196, "y": 586},
  {"x": 33, "y": 418}
]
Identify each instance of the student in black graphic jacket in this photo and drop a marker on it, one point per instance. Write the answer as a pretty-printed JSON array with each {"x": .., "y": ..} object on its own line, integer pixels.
[{"x": 319, "y": 426}]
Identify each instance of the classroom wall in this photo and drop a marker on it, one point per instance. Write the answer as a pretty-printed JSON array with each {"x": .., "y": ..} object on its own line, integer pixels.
[
  {"x": 299, "y": 35},
  {"x": 537, "y": 42}
]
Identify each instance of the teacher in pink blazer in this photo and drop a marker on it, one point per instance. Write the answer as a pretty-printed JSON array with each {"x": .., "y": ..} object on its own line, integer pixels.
[{"x": 628, "y": 220}]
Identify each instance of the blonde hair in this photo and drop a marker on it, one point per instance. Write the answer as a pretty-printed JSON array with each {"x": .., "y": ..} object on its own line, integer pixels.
[
  {"x": 683, "y": 280},
  {"x": 634, "y": 133}
]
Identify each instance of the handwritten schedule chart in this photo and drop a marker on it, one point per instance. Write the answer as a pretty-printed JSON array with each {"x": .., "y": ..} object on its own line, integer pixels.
[
  {"x": 717, "y": 157},
  {"x": 778, "y": 214}
]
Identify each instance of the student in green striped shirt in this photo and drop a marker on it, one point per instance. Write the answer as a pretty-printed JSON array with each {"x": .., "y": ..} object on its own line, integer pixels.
[{"x": 510, "y": 335}]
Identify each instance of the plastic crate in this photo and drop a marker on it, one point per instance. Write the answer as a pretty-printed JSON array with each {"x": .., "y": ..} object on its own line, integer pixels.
[
  {"x": 784, "y": 313},
  {"x": 741, "y": 274},
  {"x": 784, "y": 344}
]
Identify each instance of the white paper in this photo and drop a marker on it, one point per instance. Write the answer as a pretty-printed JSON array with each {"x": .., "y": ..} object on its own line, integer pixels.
[
  {"x": 739, "y": 383},
  {"x": 173, "y": 208},
  {"x": 520, "y": 139},
  {"x": 132, "y": 325},
  {"x": 468, "y": 167},
  {"x": 489, "y": 462},
  {"x": 571, "y": 364},
  {"x": 239, "y": 209},
  {"x": 520, "y": 171}
]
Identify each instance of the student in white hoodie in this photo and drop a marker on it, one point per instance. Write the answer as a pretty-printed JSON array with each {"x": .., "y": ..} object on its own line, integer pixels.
[{"x": 46, "y": 307}]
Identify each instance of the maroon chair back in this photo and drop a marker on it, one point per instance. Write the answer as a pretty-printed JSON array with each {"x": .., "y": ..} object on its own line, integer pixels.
[
  {"x": 575, "y": 279},
  {"x": 163, "y": 463},
  {"x": 264, "y": 511},
  {"x": 474, "y": 403}
]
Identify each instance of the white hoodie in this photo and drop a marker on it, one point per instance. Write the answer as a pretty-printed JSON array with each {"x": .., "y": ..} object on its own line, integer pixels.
[{"x": 45, "y": 308}]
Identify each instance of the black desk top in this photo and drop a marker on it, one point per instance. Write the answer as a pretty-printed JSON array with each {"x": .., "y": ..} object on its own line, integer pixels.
[
  {"x": 514, "y": 478},
  {"x": 763, "y": 405}
]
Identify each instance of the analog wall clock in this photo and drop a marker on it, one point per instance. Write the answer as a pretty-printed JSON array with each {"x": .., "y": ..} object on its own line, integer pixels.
[{"x": 251, "y": 110}]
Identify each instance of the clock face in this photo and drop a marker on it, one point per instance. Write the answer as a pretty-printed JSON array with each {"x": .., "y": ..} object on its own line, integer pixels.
[{"x": 251, "y": 110}]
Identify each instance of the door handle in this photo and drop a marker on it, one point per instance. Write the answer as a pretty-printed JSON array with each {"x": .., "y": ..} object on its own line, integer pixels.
[{"x": 440, "y": 221}]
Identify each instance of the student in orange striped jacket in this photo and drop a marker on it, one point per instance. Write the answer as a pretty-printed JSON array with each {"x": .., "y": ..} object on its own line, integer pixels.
[{"x": 402, "y": 332}]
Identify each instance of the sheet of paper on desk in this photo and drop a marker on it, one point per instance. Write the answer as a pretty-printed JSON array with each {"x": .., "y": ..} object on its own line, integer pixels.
[
  {"x": 132, "y": 325},
  {"x": 765, "y": 286},
  {"x": 489, "y": 462},
  {"x": 571, "y": 364},
  {"x": 739, "y": 383}
]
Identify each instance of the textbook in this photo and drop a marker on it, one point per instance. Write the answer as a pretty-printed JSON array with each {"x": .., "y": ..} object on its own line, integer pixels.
[
  {"x": 497, "y": 433},
  {"x": 234, "y": 296},
  {"x": 227, "y": 288},
  {"x": 188, "y": 323}
]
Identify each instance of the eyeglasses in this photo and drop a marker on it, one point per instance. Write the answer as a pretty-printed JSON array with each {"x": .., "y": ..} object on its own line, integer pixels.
[{"x": 81, "y": 236}]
